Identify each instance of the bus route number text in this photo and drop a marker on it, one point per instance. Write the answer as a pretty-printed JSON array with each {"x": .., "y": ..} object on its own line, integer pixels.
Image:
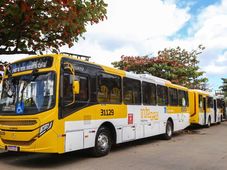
[{"x": 107, "y": 112}]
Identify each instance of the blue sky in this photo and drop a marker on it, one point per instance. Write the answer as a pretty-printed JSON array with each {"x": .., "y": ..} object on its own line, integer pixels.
[
  {"x": 142, "y": 27},
  {"x": 195, "y": 7}
]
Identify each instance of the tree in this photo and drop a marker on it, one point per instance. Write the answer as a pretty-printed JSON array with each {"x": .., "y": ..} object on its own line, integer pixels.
[
  {"x": 174, "y": 64},
  {"x": 28, "y": 26},
  {"x": 224, "y": 87}
]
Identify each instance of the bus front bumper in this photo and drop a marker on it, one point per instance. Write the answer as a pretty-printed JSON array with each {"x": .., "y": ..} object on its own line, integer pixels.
[{"x": 47, "y": 143}]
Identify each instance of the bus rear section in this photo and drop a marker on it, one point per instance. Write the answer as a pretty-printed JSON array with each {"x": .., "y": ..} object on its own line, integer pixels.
[{"x": 203, "y": 108}]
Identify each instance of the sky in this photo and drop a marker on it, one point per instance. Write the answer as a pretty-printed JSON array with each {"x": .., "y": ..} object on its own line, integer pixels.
[{"x": 143, "y": 27}]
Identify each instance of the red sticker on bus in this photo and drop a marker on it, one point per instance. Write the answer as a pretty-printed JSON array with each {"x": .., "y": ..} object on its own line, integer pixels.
[{"x": 130, "y": 118}]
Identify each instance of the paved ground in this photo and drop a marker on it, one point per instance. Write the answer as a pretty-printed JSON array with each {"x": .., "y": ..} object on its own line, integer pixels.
[{"x": 195, "y": 149}]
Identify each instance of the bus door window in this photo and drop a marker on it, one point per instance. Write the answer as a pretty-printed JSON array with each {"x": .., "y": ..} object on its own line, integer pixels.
[
  {"x": 204, "y": 104},
  {"x": 67, "y": 89},
  {"x": 215, "y": 105},
  {"x": 201, "y": 103},
  {"x": 68, "y": 78},
  {"x": 83, "y": 95},
  {"x": 73, "y": 102}
]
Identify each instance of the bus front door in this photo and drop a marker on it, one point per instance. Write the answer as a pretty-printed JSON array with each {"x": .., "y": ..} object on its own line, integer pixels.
[
  {"x": 204, "y": 109},
  {"x": 215, "y": 110}
]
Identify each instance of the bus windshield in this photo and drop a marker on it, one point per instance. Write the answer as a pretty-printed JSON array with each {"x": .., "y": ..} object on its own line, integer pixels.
[{"x": 28, "y": 94}]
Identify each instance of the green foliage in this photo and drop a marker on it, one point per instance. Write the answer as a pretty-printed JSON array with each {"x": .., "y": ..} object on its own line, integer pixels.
[
  {"x": 28, "y": 26},
  {"x": 224, "y": 87},
  {"x": 174, "y": 64}
]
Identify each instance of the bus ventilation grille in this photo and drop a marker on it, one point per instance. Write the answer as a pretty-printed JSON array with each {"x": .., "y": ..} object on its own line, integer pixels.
[{"x": 17, "y": 122}]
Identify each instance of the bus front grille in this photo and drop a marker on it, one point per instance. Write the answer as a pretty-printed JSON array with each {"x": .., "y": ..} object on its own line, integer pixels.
[{"x": 17, "y": 122}]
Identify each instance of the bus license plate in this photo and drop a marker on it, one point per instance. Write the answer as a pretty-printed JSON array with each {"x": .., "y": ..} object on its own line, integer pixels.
[{"x": 12, "y": 148}]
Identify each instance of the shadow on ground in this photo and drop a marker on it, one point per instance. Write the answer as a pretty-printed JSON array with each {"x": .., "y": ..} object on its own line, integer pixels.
[{"x": 36, "y": 160}]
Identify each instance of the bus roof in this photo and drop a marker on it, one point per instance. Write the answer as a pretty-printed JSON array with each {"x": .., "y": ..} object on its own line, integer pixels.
[{"x": 202, "y": 92}]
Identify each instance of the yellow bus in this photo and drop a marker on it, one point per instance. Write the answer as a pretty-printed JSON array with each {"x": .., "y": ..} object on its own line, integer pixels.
[
  {"x": 59, "y": 103},
  {"x": 205, "y": 108}
]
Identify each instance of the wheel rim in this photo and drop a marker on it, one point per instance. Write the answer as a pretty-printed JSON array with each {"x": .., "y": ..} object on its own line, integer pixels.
[
  {"x": 103, "y": 142},
  {"x": 169, "y": 130}
]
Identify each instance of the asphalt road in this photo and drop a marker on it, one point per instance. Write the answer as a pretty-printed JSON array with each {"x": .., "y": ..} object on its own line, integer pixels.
[{"x": 194, "y": 149}]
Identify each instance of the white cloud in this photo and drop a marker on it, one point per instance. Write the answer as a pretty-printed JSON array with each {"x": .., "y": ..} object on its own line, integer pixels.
[
  {"x": 218, "y": 65},
  {"x": 210, "y": 29},
  {"x": 222, "y": 58},
  {"x": 137, "y": 20},
  {"x": 215, "y": 69},
  {"x": 133, "y": 28}
]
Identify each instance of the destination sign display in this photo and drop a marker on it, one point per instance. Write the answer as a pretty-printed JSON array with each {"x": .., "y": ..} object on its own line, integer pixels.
[{"x": 36, "y": 63}]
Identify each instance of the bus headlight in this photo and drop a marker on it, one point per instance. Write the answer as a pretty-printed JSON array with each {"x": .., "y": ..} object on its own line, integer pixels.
[{"x": 44, "y": 128}]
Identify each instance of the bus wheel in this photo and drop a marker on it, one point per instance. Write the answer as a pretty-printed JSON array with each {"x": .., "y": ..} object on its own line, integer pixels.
[
  {"x": 103, "y": 142},
  {"x": 169, "y": 130},
  {"x": 209, "y": 122}
]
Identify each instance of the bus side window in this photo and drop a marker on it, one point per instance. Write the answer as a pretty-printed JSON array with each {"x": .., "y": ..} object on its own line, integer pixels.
[
  {"x": 132, "y": 91},
  {"x": 128, "y": 96},
  {"x": 182, "y": 98},
  {"x": 109, "y": 88},
  {"x": 115, "y": 95},
  {"x": 103, "y": 94},
  {"x": 149, "y": 93},
  {"x": 173, "y": 97},
  {"x": 162, "y": 94},
  {"x": 210, "y": 102}
]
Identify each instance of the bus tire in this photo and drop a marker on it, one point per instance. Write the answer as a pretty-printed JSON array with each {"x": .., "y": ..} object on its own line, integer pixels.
[
  {"x": 169, "y": 131},
  {"x": 103, "y": 142},
  {"x": 208, "y": 123}
]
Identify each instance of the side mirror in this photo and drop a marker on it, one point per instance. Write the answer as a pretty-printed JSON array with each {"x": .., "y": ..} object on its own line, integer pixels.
[{"x": 76, "y": 87}]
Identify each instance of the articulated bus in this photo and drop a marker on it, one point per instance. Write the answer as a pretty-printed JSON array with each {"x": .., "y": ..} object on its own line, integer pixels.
[
  {"x": 59, "y": 103},
  {"x": 205, "y": 108}
]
